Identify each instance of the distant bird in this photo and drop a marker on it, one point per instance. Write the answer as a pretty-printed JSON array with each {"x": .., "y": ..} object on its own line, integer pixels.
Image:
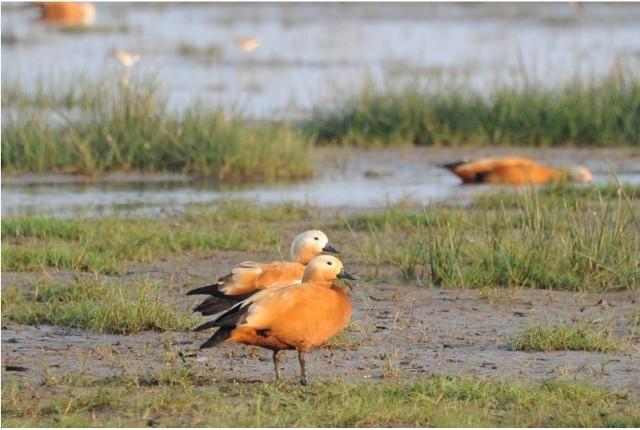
[
  {"x": 67, "y": 13},
  {"x": 247, "y": 44},
  {"x": 514, "y": 171},
  {"x": 300, "y": 316},
  {"x": 127, "y": 59},
  {"x": 251, "y": 276}
]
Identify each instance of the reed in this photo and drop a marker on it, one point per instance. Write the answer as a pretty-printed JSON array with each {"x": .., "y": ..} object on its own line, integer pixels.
[
  {"x": 585, "y": 112},
  {"x": 124, "y": 124}
]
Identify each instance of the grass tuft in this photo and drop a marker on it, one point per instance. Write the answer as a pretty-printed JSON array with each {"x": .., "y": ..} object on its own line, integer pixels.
[
  {"x": 548, "y": 338},
  {"x": 96, "y": 306}
]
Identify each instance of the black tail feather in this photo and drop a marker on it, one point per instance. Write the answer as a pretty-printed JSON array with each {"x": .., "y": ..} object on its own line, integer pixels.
[
  {"x": 217, "y": 338},
  {"x": 208, "y": 324},
  {"x": 233, "y": 317},
  {"x": 230, "y": 319},
  {"x": 208, "y": 289},
  {"x": 213, "y": 305},
  {"x": 217, "y": 303},
  {"x": 452, "y": 166}
]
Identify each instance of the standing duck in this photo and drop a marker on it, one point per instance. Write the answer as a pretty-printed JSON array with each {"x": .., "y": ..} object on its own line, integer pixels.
[
  {"x": 300, "y": 316},
  {"x": 250, "y": 276}
]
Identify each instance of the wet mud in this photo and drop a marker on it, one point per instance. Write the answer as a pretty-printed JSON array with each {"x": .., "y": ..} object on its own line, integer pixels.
[{"x": 398, "y": 331}]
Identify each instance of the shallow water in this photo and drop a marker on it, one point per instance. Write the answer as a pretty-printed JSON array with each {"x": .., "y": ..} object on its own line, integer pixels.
[
  {"x": 316, "y": 54},
  {"x": 313, "y": 55},
  {"x": 353, "y": 179}
]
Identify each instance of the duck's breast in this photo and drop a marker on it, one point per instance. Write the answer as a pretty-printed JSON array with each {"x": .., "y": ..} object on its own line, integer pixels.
[{"x": 316, "y": 315}]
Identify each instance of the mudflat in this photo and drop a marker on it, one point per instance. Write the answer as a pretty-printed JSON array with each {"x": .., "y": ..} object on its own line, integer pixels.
[{"x": 397, "y": 331}]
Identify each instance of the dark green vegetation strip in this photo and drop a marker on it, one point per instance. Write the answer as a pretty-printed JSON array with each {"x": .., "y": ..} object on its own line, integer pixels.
[
  {"x": 558, "y": 238},
  {"x": 121, "y": 125},
  {"x": 549, "y": 338},
  {"x": 603, "y": 113},
  {"x": 178, "y": 398},
  {"x": 101, "y": 246},
  {"x": 97, "y": 306}
]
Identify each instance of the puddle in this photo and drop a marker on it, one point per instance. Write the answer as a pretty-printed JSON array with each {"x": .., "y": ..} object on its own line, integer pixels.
[{"x": 357, "y": 179}]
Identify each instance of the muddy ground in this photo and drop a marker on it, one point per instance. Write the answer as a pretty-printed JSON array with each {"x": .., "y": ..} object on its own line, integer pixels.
[{"x": 397, "y": 331}]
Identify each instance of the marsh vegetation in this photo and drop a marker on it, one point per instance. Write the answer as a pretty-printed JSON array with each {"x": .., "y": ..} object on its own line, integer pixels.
[
  {"x": 557, "y": 238},
  {"x": 123, "y": 123},
  {"x": 600, "y": 113}
]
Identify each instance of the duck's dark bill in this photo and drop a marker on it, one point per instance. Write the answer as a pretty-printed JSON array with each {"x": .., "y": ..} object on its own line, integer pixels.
[
  {"x": 330, "y": 248},
  {"x": 347, "y": 275}
]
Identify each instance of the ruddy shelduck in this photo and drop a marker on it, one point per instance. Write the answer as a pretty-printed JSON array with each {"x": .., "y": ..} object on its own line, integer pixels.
[
  {"x": 515, "y": 171},
  {"x": 299, "y": 316},
  {"x": 67, "y": 13},
  {"x": 251, "y": 276}
]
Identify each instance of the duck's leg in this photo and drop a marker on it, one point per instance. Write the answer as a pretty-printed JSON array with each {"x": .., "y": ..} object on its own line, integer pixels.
[
  {"x": 303, "y": 372},
  {"x": 276, "y": 364}
]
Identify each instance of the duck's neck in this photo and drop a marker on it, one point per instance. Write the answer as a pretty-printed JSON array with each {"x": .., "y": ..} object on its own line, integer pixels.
[
  {"x": 318, "y": 282},
  {"x": 304, "y": 257}
]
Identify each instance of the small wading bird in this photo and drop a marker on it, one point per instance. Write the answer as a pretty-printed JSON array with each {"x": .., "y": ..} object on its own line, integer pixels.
[
  {"x": 515, "y": 171},
  {"x": 127, "y": 59},
  {"x": 67, "y": 13},
  {"x": 248, "y": 44},
  {"x": 251, "y": 276},
  {"x": 299, "y": 316}
]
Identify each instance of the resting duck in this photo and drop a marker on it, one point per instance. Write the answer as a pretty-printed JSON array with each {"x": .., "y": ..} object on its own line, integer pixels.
[
  {"x": 515, "y": 171},
  {"x": 67, "y": 13}
]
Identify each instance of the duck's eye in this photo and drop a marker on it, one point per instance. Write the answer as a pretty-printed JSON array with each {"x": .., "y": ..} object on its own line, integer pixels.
[
  {"x": 316, "y": 238},
  {"x": 329, "y": 263}
]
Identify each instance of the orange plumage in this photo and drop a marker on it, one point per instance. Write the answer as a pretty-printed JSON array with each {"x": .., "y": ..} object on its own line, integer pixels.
[
  {"x": 515, "y": 171},
  {"x": 67, "y": 13},
  {"x": 251, "y": 276},
  {"x": 300, "y": 316}
]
